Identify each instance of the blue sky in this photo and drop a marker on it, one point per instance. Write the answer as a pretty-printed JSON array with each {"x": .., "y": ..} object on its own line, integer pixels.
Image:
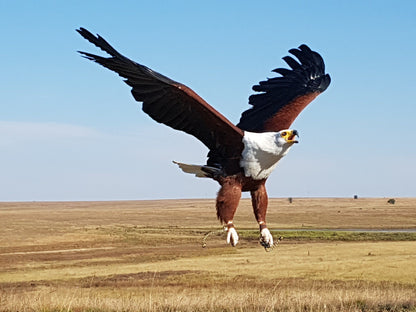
[{"x": 70, "y": 130}]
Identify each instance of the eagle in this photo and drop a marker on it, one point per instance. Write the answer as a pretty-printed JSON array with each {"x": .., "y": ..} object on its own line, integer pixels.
[{"x": 241, "y": 157}]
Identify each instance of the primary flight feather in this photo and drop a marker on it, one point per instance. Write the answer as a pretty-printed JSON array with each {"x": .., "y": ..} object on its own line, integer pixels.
[{"x": 241, "y": 157}]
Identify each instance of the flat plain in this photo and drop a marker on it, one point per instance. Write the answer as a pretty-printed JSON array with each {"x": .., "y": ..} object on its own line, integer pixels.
[{"x": 337, "y": 254}]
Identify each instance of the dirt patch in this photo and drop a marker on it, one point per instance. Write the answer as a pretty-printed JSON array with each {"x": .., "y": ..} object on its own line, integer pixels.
[
  {"x": 54, "y": 251},
  {"x": 135, "y": 279}
]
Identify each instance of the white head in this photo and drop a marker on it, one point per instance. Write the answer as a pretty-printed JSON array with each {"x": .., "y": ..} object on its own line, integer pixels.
[{"x": 286, "y": 137}]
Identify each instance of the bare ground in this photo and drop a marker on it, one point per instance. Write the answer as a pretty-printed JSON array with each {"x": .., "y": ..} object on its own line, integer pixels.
[{"x": 147, "y": 255}]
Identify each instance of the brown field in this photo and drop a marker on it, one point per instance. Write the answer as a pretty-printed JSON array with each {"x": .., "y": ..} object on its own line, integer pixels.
[{"x": 148, "y": 256}]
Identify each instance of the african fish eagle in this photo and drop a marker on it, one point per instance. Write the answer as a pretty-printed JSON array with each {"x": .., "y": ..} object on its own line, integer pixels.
[{"x": 241, "y": 157}]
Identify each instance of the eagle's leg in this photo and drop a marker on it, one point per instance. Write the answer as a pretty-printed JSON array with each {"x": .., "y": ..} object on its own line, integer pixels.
[
  {"x": 259, "y": 201},
  {"x": 227, "y": 202}
]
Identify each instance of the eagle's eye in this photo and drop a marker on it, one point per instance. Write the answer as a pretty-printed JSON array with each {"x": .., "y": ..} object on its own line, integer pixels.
[{"x": 284, "y": 134}]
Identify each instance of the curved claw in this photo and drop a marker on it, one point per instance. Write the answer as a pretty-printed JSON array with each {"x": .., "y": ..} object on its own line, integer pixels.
[
  {"x": 232, "y": 236},
  {"x": 266, "y": 238}
]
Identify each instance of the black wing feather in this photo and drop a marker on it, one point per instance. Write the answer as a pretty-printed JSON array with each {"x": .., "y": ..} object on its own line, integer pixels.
[
  {"x": 306, "y": 76},
  {"x": 170, "y": 102}
]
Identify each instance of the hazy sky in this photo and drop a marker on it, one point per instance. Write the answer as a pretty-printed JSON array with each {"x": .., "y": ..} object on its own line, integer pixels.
[{"x": 70, "y": 129}]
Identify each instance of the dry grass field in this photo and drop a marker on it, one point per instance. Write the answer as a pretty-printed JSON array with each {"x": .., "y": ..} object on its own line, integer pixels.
[{"x": 148, "y": 256}]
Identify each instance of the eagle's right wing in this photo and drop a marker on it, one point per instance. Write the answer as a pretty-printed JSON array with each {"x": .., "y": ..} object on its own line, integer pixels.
[{"x": 170, "y": 102}]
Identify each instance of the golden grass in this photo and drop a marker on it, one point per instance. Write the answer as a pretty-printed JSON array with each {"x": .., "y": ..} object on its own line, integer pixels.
[
  {"x": 147, "y": 256},
  {"x": 238, "y": 294}
]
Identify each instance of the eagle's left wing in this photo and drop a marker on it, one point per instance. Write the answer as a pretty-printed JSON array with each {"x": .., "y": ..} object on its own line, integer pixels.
[{"x": 281, "y": 99}]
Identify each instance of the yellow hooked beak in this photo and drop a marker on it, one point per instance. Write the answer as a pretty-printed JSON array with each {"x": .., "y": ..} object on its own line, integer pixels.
[{"x": 290, "y": 135}]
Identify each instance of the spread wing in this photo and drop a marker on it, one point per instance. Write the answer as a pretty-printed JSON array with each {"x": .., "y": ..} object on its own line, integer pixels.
[
  {"x": 170, "y": 102},
  {"x": 281, "y": 99}
]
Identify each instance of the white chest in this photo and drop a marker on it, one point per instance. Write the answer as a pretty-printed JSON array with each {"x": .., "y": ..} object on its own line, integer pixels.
[{"x": 261, "y": 153}]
